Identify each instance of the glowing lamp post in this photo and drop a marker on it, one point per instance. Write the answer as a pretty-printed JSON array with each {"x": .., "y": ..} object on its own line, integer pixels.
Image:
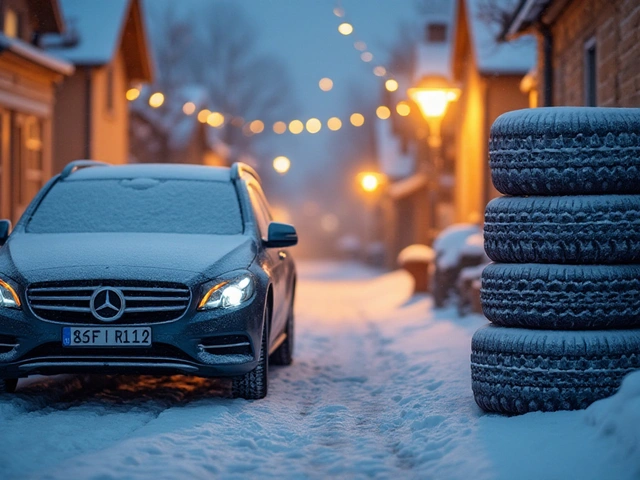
[
  {"x": 372, "y": 184},
  {"x": 433, "y": 94}
]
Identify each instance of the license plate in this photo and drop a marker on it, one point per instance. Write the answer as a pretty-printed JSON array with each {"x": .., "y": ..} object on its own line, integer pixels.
[{"x": 106, "y": 337}]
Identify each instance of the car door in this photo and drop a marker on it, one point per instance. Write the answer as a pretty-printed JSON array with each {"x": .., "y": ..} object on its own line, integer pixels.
[{"x": 277, "y": 261}]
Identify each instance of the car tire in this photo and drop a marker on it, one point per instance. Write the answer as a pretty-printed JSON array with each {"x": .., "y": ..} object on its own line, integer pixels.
[
  {"x": 8, "y": 385},
  {"x": 589, "y": 229},
  {"x": 561, "y": 296},
  {"x": 254, "y": 385},
  {"x": 284, "y": 353},
  {"x": 566, "y": 151},
  {"x": 518, "y": 371}
]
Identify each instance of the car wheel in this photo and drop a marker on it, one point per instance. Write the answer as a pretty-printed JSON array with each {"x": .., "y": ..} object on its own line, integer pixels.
[
  {"x": 284, "y": 353},
  {"x": 254, "y": 385},
  {"x": 561, "y": 296},
  {"x": 515, "y": 370},
  {"x": 560, "y": 151},
  {"x": 8, "y": 385},
  {"x": 588, "y": 229}
]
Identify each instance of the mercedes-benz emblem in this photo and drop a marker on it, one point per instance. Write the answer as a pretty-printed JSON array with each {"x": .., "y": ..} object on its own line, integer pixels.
[{"x": 107, "y": 304}]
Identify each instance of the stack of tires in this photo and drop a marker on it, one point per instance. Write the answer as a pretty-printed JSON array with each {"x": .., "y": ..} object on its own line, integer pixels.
[{"x": 564, "y": 294}]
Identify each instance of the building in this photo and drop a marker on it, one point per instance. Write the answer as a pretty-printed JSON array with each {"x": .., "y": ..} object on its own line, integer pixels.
[
  {"x": 489, "y": 74},
  {"x": 107, "y": 43},
  {"x": 27, "y": 100},
  {"x": 588, "y": 50}
]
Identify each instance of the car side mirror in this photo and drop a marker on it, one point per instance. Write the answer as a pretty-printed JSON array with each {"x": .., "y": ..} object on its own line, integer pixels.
[
  {"x": 281, "y": 235},
  {"x": 5, "y": 230}
]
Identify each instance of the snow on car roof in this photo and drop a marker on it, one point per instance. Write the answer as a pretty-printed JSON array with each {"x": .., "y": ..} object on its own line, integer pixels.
[{"x": 153, "y": 170}]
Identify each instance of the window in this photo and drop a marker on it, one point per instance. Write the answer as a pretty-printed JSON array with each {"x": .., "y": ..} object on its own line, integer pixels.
[
  {"x": 261, "y": 210},
  {"x": 436, "y": 32},
  {"x": 11, "y": 23},
  {"x": 590, "y": 73}
]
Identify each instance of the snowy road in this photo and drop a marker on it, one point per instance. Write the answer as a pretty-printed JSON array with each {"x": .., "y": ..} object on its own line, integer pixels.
[{"x": 380, "y": 388}]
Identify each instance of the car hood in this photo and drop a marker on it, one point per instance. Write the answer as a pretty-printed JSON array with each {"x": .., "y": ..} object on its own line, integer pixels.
[{"x": 31, "y": 257}]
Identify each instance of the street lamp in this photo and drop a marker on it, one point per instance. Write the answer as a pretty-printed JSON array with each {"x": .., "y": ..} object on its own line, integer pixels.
[
  {"x": 372, "y": 185},
  {"x": 432, "y": 94}
]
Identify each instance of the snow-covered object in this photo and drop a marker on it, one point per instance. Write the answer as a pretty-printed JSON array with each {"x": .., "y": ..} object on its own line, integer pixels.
[
  {"x": 588, "y": 229},
  {"x": 416, "y": 253},
  {"x": 474, "y": 245},
  {"x": 562, "y": 296},
  {"x": 515, "y": 370},
  {"x": 449, "y": 245},
  {"x": 618, "y": 418},
  {"x": 566, "y": 151},
  {"x": 492, "y": 57},
  {"x": 471, "y": 273}
]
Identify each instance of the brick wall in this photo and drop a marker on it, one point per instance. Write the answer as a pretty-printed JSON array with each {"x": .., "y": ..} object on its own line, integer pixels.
[{"x": 615, "y": 25}]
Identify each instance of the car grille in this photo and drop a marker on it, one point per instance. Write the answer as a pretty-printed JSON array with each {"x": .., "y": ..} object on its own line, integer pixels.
[{"x": 145, "y": 302}]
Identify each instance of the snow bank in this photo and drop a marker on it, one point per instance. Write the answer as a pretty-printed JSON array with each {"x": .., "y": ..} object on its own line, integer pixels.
[
  {"x": 618, "y": 418},
  {"x": 416, "y": 253},
  {"x": 450, "y": 243}
]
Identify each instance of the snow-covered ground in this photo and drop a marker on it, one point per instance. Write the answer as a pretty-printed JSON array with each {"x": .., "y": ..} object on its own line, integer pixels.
[{"x": 380, "y": 388}]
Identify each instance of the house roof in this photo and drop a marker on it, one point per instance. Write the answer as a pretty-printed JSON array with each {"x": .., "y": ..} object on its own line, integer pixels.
[
  {"x": 34, "y": 55},
  {"x": 524, "y": 15},
  {"x": 46, "y": 16},
  {"x": 492, "y": 56},
  {"x": 95, "y": 32}
]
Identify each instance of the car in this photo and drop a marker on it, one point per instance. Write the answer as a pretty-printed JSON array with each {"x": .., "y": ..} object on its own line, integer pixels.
[{"x": 148, "y": 269}]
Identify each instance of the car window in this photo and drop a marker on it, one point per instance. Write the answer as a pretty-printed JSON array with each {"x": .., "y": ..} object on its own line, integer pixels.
[
  {"x": 263, "y": 216},
  {"x": 139, "y": 205}
]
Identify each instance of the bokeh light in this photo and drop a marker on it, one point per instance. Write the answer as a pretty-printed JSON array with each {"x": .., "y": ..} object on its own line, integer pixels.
[
  {"x": 366, "y": 56},
  {"x": 203, "y": 115},
  {"x": 314, "y": 125},
  {"x": 379, "y": 71},
  {"x": 156, "y": 100},
  {"x": 257, "y": 126},
  {"x": 360, "y": 45},
  {"x": 383, "y": 112},
  {"x": 281, "y": 164},
  {"x": 403, "y": 109},
  {"x": 369, "y": 182},
  {"x": 338, "y": 12},
  {"x": 345, "y": 28},
  {"x": 391, "y": 85},
  {"x": 357, "y": 119},
  {"x": 334, "y": 124},
  {"x": 279, "y": 127},
  {"x": 325, "y": 84},
  {"x": 215, "y": 119},
  {"x": 189, "y": 108},
  {"x": 296, "y": 127},
  {"x": 132, "y": 94}
]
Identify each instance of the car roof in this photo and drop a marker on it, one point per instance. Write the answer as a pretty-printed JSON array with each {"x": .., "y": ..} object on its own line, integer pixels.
[{"x": 152, "y": 170}]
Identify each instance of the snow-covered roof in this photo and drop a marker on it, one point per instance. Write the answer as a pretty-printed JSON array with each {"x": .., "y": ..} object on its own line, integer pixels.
[
  {"x": 516, "y": 57},
  {"x": 34, "y": 55},
  {"x": 525, "y": 13},
  {"x": 97, "y": 27}
]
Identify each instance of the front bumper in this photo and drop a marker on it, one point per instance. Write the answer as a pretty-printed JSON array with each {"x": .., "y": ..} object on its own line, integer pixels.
[{"x": 210, "y": 344}]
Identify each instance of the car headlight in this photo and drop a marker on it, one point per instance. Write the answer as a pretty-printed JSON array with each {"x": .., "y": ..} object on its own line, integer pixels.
[
  {"x": 229, "y": 293},
  {"x": 8, "y": 296}
]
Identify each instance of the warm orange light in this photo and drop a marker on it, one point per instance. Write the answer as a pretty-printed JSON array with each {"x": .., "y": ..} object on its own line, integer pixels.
[
  {"x": 132, "y": 94},
  {"x": 257, "y": 126},
  {"x": 357, "y": 119},
  {"x": 189, "y": 108},
  {"x": 334, "y": 124},
  {"x": 215, "y": 119},
  {"x": 156, "y": 100},
  {"x": 296, "y": 127},
  {"x": 345, "y": 28},
  {"x": 279, "y": 127},
  {"x": 391, "y": 85},
  {"x": 379, "y": 71},
  {"x": 403, "y": 109},
  {"x": 203, "y": 115},
  {"x": 383, "y": 112},
  {"x": 369, "y": 182},
  {"x": 314, "y": 125},
  {"x": 359, "y": 45},
  {"x": 325, "y": 84},
  {"x": 432, "y": 95},
  {"x": 281, "y": 164},
  {"x": 16, "y": 298},
  {"x": 205, "y": 299},
  {"x": 366, "y": 56}
]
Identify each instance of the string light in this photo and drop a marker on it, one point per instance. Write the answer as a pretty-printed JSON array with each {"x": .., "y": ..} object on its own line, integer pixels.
[
  {"x": 296, "y": 127},
  {"x": 215, "y": 119},
  {"x": 203, "y": 115},
  {"x": 281, "y": 164},
  {"x": 366, "y": 56},
  {"x": 383, "y": 112},
  {"x": 279, "y": 127},
  {"x": 189, "y": 108},
  {"x": 257, "y": 126},
  {"x": 325, "y": 84},
  {"x": 403, "y": 109},
  {"x": 314, "y": 125},
  {"x": 379, "y": 71},
  {"x": 345, "y": 28},
  {"x": 334, "y": 124},
  {"x": 156, "y": 100},
  {"x": 361, "y": 46},
  {"x": 357, "y": 120},
  {"x": 391, "y": 85},
  {"x": 132, "y": 94}
]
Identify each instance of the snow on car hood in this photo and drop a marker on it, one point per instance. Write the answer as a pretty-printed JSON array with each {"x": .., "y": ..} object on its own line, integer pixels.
[{"x": 42, "y": 257}]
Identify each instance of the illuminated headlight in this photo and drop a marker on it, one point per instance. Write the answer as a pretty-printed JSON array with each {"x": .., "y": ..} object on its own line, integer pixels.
[
  {"x": 8, "y": 296},
  {"x": 228, "y": 294}
]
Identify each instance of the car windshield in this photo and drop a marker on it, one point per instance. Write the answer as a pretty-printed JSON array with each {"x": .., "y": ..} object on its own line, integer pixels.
[{"x": 139, "y": 205}]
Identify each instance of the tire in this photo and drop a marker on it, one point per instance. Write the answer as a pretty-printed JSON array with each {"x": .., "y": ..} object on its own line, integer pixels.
[
  {"x": 562, "y": 296},
  {"x": 284, "y": 353},
  {"x": 254, "y": 385},
  {"x": 8, "y": 385},
  {"x": 596, "y": 229},
  {"x": 518, "y": 371},
  {"x": 566, "y": 151}
]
